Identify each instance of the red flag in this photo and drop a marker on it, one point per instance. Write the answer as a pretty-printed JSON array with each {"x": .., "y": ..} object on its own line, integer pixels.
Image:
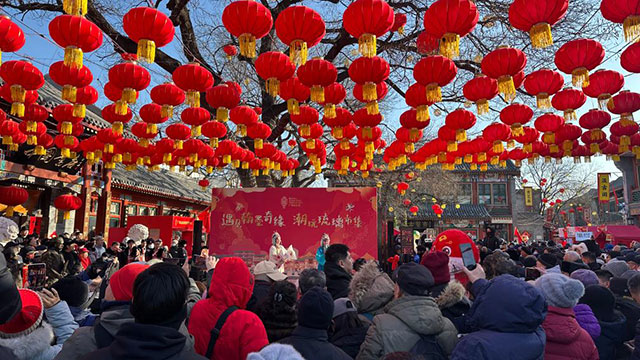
[
  {"x": 205, "y": 217},
  {"x": 613, "y": 190},
  {"x": 516, "y": 234}
]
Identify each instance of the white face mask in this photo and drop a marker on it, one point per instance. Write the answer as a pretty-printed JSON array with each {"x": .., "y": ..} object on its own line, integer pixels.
[{"x": 151, "y": 246}]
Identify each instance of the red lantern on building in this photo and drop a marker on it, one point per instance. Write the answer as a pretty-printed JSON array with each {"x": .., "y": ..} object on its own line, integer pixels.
[
  {"x": 548, "y": 124},
  {"x": 150, "y": 29},
  {"x": 629, "y": 57},
  {"x": 602, "y": 85},
  {"x": 503, "y": 64},
  {"x": 194, "y": 79},
  {"x": 167, "y": 95},
  {"x": 66, "y": 144},
  {"x": 536, "y": 18},
  {"x": 460, "y": 120},
  {"x": 577, "y": 58},
  {"x": 480, "y": 90},
  {"x": 131, "y": 78},
  {"x": 568, "y": 133},
  {"x": 300, "y": 28},
  {"x": 568, "y": 101},
  {"x": 516, "y": 115},
  {"x": 64, "y": 115},
  {"x": 204, "y": 184},
  {"x": 140, "y": 130},
  {"x": 21, "y": 76},
  {"x": 76, "y": 35},
  {"x": 433, "y": 72},
  {"x": 402, "y": 188},
  {"x": 70, "y": 78},
  {"x": 543, "y": 84},
  {"x": 11, "y": 36},
  {"x": 625, "y": 12},
  {"x": 527, "y": 138},
  {"x": 337, "y": 124},
  {"x": 413, "y": 210},
  {"x": 625, "y": 103},
  {"x": 12, "y": 196},
  {"x": 195, "y": 117},
  {"x": 449, "y": 20},
  {"x": 248, "y": 21},
  {"x": 367, "y": 20},
  {"x": 293, "y": 91},
  {"x": 33, "y": 115},
  {"x": 67, "y": 203},
  {"x": 44, "y": 142},
  {"x": 274, "y": 67},
  {"x": 318, "y": 73}
]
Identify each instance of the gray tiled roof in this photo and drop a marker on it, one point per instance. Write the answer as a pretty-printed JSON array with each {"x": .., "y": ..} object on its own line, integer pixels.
[
  {"x": 500, "y": 211},
  {"x": 510, "y": 169},
  {"x": 466, "y": 211}
]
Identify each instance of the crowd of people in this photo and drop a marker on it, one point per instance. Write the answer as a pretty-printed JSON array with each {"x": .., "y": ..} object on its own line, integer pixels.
[{"x": 126, "y": 301}]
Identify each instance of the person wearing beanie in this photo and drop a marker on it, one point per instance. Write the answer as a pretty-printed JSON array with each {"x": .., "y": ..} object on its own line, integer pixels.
[
  {"x": 504, "y": 321},
  {"x": 243, "y": 332},
  {"x": 612, "y": 322},
  {"x": 627, "y": 293},
  {"x": 548, "y": 263},
  {"x": 565, "y": 338},
  {"x": 76, "y": 293},
  {"x": 586, "y": 277},
  {"x": 28, "y": 336},
  {"x": 616, "y": 267},
  {"x": 449, "y": 294},
  {"x": 159, "y": 309},
  {"x": 348, "y": 329},
  {"x": 370, "y": 290},
  {"x": 276, "y": 352},
  {"x": 310, "y": 337},
  {"x": 278, "y": 310},
  {"x": 412, "y": 315}
]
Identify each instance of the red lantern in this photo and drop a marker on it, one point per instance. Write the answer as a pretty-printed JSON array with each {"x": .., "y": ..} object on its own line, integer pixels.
[
  {"x": 11, "y": 36},
  {"x": 109, "y": 138},
  {"x": 527, "y": 138},
  {"x": 140, "y": 130},
  {"x": 416, "y": 97},
  {"x": 433, "y": 72},
  {"x": 131, "y": 78},
  {"x": 402, "y": 188},
  {"x": 369, "y": 71},
  {"x": 595, "y": 120},
  {"x": 568, "y": 101},
  {"x": 625, "y": 12},
  {"x": 194, "y": 79},
  {"x": 399, "y": 21},
  {"x": 259, "y": 132},
  {"x": 409, "y": 120},
  {"x": 367, "y": 20},
  {"x": 87, "y": 95},
  {"x": 274, "y": 67},
  {"x": 306, "y": 117},
  {"x": 149, "y": 28},
  {"x": 603, "y": 84},
  {"x": 248, "y": 21},
  {"x": 214, "y": 130},
  {"x": 70, "y": 79},
  {"x": 449, "y": 135},
  {"x": 67, "y": 203},
  {"x": 497, "y": 133},
  {"x": 12, "y": 196},
  {"x": 76, "y": 35},
  {"x": 230, "y": 51},
  {"x": 204, "y": 184},
  {"x": 195, "y": 117},
  {"x": 536, "y": 18},
  {"x": 413, "y": 210},
  {"x": 427, "y": 44},
  {"x": 503, "y": 64},
  {"x": 577, "y": 58},
  {"x": 243, "y": 117},
  {"x": 66, "y": 144},
  {"x": 568, "y": 133},
  {"x": 116, "y": 120},
  {"x": 334, "y": 94},
  {"x": 342, "y": 119},
  {"x": 64, "y": 115},
  {"x": 293, "y": 91},
  {"x": 168, "y": 95},
  {"x": 318, "y": 73},
  {"x": 516, "y": 115},
  {"x": 300, "y": 28},
  {"x": 460, "y": 120},
  {"x": 624, "y": 132},
  {"x": 178, "y": 133},
  {"x": 223, "y": 97},
  {"x": 624, "y": 104},
  {"x": 165, "y": 147},
  {"x": 44, "y": 142},
  {"x": 543, "y": 83},
  {"x": 629, "y": 57},
  {"x": 437, "y": 209},
  {"x": 480, "y": 90},
  {"x": 549, "y": 124},
  {"x": 21, "y": 76},
  {"x": 449, "y": 20},
  {"x": 372, "y": 106}
]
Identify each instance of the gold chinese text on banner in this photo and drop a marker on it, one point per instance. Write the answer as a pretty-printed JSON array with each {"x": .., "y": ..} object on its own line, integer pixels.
[
  {"x": 528, "y": 196},
  {"x": 603, "y": 187}
]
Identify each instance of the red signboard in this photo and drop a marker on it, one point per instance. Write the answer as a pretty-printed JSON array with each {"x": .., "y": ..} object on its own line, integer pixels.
[{"x": 243, "y": 220}]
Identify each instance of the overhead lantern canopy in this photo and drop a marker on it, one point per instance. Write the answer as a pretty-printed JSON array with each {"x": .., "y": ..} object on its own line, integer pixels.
[
  {"x": 449, "y": 20},
  {"x": 367, "y": 20},
  {"x": 150, "y": 29},
  {"x": 536, "y": 18},
  {"x": 249, "y": 21},
  {"x": 301, "y": 28}
]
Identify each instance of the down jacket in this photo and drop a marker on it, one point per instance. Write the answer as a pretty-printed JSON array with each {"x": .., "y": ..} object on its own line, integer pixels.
[
  {"x": 587, "y": 321},
  {"x": 243, "y": 332},
  {"x": 370, "y": 290},
  {"x": 566, "y": 340}
]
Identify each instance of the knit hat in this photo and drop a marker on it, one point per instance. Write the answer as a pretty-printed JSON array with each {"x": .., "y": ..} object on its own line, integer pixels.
[
  {"x": 27, "y": 319},
  {"x": 276, "y": 352},
  {"x": 121, "y": 282},
  {"x": 601, "y": 301},
  {"x": 342, "y": 306},
  {"x": 560, "y": 290},
  {"x": 586, "y": 277},
  {"x": 438, "y": 264},
  {"x": 616, "y": 267},
  {"x": 414, "y": 279},
  {"x": 315, "y": 309},
  {"x": 548, "y": 260},
  {"x": 72, "y": 290},
  {"x": 619, "y": 287},
  {"x": 529, "y": 261}
]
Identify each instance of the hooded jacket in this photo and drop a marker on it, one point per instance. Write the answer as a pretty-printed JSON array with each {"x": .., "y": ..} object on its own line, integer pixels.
[
  {"x": 140, "y": 342},
  {"x": 503, "y": 322},
  {"x": 566, "y": 340},
  {"x": 451, "y": 300},
  {"x": 611, "y": 337},
  {"x": 337, "y": 280},
  {"x": 587, "y": 321},
  {"x": 243, "y": 332},
  {"x": 370, "y": 290},
  {"x": 400, "y": 327}
]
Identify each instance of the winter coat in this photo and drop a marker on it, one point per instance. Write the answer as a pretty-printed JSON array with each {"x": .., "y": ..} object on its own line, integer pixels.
[
  {"x": 346, "y": 336},
  {"x": 243, "y": 332},
  {"x": 636, "y": 343},
  {"x": 260, "y": 292},
  {"x": 72, "y": 262},
  {"x": 115, "y": 315},
  {"x": 6, "y": 354},
  {"x": 313, "y": 344},
  {"x": 370, "y": 290},
  {"x": 279, "y": 325},
  {"x": 503, "y": 322},
  {"x": 565, "y": 338},
  {"x": 611, "y": 337},
  {"x": 39, "y": 344},
  {"x": 400, "y": 327},
  {"x": 451, "y": 300},
  {"x": 55, "y": 266},
  {"x": 586, "y": 320},
  {"x": 631, "y": 311},
  {"x": 140, "y": 341},
  {"x": 337, "y": 280}
]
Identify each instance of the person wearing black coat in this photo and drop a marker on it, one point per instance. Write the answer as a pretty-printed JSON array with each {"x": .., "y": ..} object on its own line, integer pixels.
[
  {"x": 612, "y": 322},
  {"x": 278, "y": 310},
  {"x": 338, "y": 268},
  {"x": 347, "y": 330},
  {"x": 10, "y": 303}
]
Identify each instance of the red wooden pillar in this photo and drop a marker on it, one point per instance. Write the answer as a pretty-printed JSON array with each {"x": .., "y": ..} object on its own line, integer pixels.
[
  {"x": 82, "y": 215},
  {"x": 104, "y": 206}
]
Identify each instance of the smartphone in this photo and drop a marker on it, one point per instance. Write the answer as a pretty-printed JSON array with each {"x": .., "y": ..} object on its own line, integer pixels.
[
  {"x": 468, "y": 259},
  {"x": 174, "y": 261},
  {"x": 531, "y": 274},
  {"x": 36, "y": 276}
]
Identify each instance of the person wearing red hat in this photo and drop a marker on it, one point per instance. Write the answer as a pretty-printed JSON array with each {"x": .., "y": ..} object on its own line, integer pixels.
[
  {"x": 28, "y": 336},
  {"x": 84, "y": 258}
]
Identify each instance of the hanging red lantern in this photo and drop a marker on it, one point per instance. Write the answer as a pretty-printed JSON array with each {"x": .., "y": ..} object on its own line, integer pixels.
[
  {"x": 367, "y": 20},
  {"x": 480, "y": 90},
  {"x": 117, "y": 121},
  {"x": 368, "y": 72},
  {"x": 230, "y": 51},
  {"x": 306, "y": 117},
  {"x": 8, "y": 128},
  {"x": 140, "y": 130},
  {"x": 21, "y": 76},
  {"x": 434, "y": 72},
  {"x": 150, "y": 29},
  {"x": 204, "y": 184},
  {"x": 595, "y": 120},
  {"x": 31, "y": 96},
  {"x": 603, "y": 84},
  {"x": 413, "y": 210},
  {"x": 527, "y": 138},
  {"x": 548, "y": 124},
  {"x": 248, "y": 21},
  {"x": 460, "y": 120},
  {"x": 337, "y": 124},
  {"x": 109, "y": 138},
  {"x": 497, "y": 133},
  {"x": 334, "y": 94},
  {"x": 214, "y": 130},
  {"x": 503, "y": 64},
  {"x": 577, "y": 58},
  {"x": 315, "y": 132},
  {"x": 131, "y": 78},
  {"x": 195, "y": 117},
  {"x": 194, "y": 79},
  {"x": 64, "y": 115},
  {"x": 568, "y": 133},
  {"x": 437, "y": 209},
  {"x": 223, "y": 97},
  {"x": 516, "y": 115},
  {"x": 449, "y": 20},
  {"x": 165, "y": 147},
  {"x": 33, "y": 115},
  {"x": 67, "y": 203},
  {"x": 300, "y": 28},
  {"x": 427, "y": 44},
  {"x": 409, "y": 120},
  {"x": 12, "y": 196},
  {"x": 274, "y": 67},
  {"x": 568, "y": 101},
  {"x": 372, "y": 106},
  {"x": 625, "y": 12},
  {"x": 85, "y": 96},
  {"x": 66, "y": 144},
  {"x": 259, "y": 132},
  {"x": 11, "y": 36},
  {"x": 536, "y": 18},
  {"x": 44, "y": 142},
  {"x": 543, "y": 84},
  {"x": 399, "y": 21},
  {"x": 624, "y": 132},
  {"x": 449, "y": 135},
  {"x": 402, "y": 188},
  {"x": 76, "y": 35},
  {"x": 167, "y": 95},
  {"x": 243, "y": 117},
  {"x": 625, "y": 103},
  {"x": 178, "y": 133},
  {"x": 70, "y": 79},
  {"x": 416, "y": 97},
  {"x": 318, "y": 73},
  {"x": 629, "y": 57},
  {"x": 293, "y": 91}
]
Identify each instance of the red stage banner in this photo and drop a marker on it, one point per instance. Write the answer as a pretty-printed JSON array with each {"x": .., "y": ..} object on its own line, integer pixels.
[{"x": 243, "y": 220}]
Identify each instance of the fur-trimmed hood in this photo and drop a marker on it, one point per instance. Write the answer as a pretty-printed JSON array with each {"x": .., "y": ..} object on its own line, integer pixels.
[
  {"x": 32, "y": 345},
  {"x": 450, "y": 295},
  {"x": 370, "y": 289}
]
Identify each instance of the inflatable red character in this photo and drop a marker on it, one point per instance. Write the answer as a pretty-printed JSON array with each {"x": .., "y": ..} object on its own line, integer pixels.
[{"x": 449, "y": 241}]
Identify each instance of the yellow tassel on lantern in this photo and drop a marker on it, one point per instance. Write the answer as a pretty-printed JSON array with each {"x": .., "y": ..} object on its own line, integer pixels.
[
  {"x": 166, "y": 111},
  {"x": 543, "y": 101},
  {"x": 74, "y": 7},
  {"x": 597, "y": 134},
  {"x": 408, "y": 148},
  {"x": 311, "y": 143},
  {"x": 450, "y": 45},
  {"x": 222, "y": 114},
  {"x": 69, "y": 140},
  {"x": 540, "y": 35},
  {"x": 337, "y": 132},
  {"x": 594, "y": 148},
  {"x": 473, "y": 167},
  {"x": 580, "y": 77},
  {"x": 67, "y": 128},
  {"x": 626, "y": 119},
  {"x": 498, "y": 147},
  {"x": 553, "y": 148},
  {"x": 570, "y": 114},
  {"x": 258, "y": 143},
  {"x": 422, "y": 113},
  {"x": 166, "y": 158},
  {"x": 367, "y": 45},
  {"x": 317, "y": 94},
  {"x": 117, "y": 158},
  {"x": 503, "y": 163},
  {"x": 13, "y": 147},
  {"x": 236, "y": 163},
  {"x": 511, "y": 144},
  {"x": 255, "y": 172},
  {"x": 193, "y": 98},
  {"x": 434, "y": 93},
  {"x": 245, "y": 165},
  {"x": 18, "y": 93},
  {"x": 126, "y": 157},
  {"x": 32, "y": 140},
  {"x": 210, "y": 169},
  {"x": 108, "y": 148},
  {"x": 272, "y": 86},
  {"x": 482, "y": 106},
  {"x": 129, "y": 96},
  {"x": 527, "y": 148},
  {"x": 177, "y": 145},
  {"x": 369, "y": 91},
  {"x": 373, "y": 108},
  {"x": 40, "y": 150},
  {"x": 226, "y": 159},
  {"x": 118, "y": 127},
  {"x": 506, "y": 87},
  {"x": 631, "y": 27},
  {"x": 482, "y": 156},
  {"x": 452, "y": 146},
  {"x": 516, "y": 129},
  {"x": 548, "y": 138},
  {"x": 468, "y": 158},
  {"x": 143, "y": 142},
  {"x": 344, "y": 144},
  {"x": 65, "y": 152},
  {"x": 146, "y": 50},
  {"x": 17, "y": 109},
  {"x": 298, "y": 52},
  {"x": 213, "y": 142},
  {"x": 247, "y": 45},
  {"x": 615, "y": 157},
  {"x": 197, "y": 131},
  {"x": 79, "y": 110},
  {"x": 151, "y": 128},
  {"x": 484, "y": 167},
  {"x": 73, "y": 57},
  {"x": 121, "y": 107},
  {"x": 305, "y": 130},
  {"x": 461, "y": 135},
  {"x": 329, "y": 111},
  {"x": 293, "y": 107},
  {"x": 98, "y": 154},
  {"x": 69, "y": 93}
]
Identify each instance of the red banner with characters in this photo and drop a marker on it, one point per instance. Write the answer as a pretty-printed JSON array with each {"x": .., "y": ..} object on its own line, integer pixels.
[{"x": 243, "y": 221}]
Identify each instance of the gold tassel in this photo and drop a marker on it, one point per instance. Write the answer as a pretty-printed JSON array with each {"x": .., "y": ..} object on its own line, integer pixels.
[
  {"x": 597, "y": 134},
  {"x": 256, "y": 172},
  {"x": 434, "y": 93},
  {"x": 473, "y": 167},
  {"x": 146, "y": 50},
  {"x": 369, "y": 91},
  {"x": 311, "y": 144},
  {"x": 167, "y": 111},
  {"x": 498, "y": 148},
  {"x": 151, "y": 128},
  {"x": 129, "y": 95},
  {"x": 73, "y": 57},
  {"x": 69, "y": 93},
  {"x": 594, "y": 147},
  {"x": 516, "y": 129},
  {"x": 317, "y": 94},
  {"x": 548, "y": 138},
  {"x": 197, "y": 131},
  {"x": 580, "y": 77},
  {"x": 258, "y": 143},
  {"x": 117, "y": 158},
  {"x": 484, "y": 167},
  {"x": 69, "y": 140},
  {"x": 293, "y": 107},
  {"x": 541, "y": 36},
  {"x": 631, "y": 27},
  {"x": 482, "y": 156},
  {"x": 213, "y": 142},
  {"x": 452, "y": 146},
  {"x": 553, "y": 148},
  {"x": 245, "y": 165},
  {"x": 298, "y": 52},
  {"x": 367, "y": 45},
  {"x": 468, "y": 158},
  {"x": 222, "y": 114},
  {"x": 372, "y": 108},
  {"x": 166, "y": 158},
  {"x": 117, "y": 127},
  {"x": 193, "y": 98},
  {"x": 528, "y": 148},
  {"x": 18, "y": 93},
  {"x": 40, "y": 150},
  {"x": 247, "y": 45},
  {"x": 330, "y": 111},
  {"x": 570, "y": 114},
  {"x": 226, "y": 159},
  {"x": 121, "y": 107},
  {"x": 13, "y": 147},
  {"x": 344, "y": 144},
  {"x": 79, "y": 110},
  {"x": 461, "y": 135},
  {"x": 236, "y": 163},
  {"x": 32, "y": 140},
  {"x": 482, "y": 106},
  {"x": 450, "y": 45},
  {"x": 17, "y": 109},
  {"x": 74, "y": 7},
  {"x": 305, "y": 130},
  {"x": 422, "y": 113},
  {"x": 506, "y": 87},
  {"x": 273, "y": 86},
  {"x": 178, "y": 144},
  {"x": 65, "y": 152},
  {"x": 543, "y": 101},
  {"x": 67, "y": 128}
]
